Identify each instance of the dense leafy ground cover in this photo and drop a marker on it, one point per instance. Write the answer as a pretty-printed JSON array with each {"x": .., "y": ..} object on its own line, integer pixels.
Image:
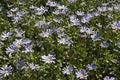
[{"x": 59, "y": 40}]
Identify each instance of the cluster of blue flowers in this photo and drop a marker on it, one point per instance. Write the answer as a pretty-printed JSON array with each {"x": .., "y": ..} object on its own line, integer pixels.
[{"x": 60, "y": 39}]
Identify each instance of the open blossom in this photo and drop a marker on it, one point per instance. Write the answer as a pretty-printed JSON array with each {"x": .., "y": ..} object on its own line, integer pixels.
[
  {"x": 109, "y": 78},
  {"x": 116, "y": 25},
  {"x": 41, "y": 10},
  {"x": 67, "y": 70},
  {"x": 20, "y": 65},
  {"x": 5, "y": 35},
  {"x": 6, "y": 71},
  {"x": 64, "y": 40},
  {"x": 19, "y": 32},
  {"x": 11, "y": 49},
  {"x": 46, "y": 33},
  {"x": 33, "y": 66},
  {"x": 95, "y": 37},
  {"x": 80, "y": 13},
  {"x": 48, "y": 59},
  {"x": 82, "y": 74},
  {"x": 91, "y": 66},
  {"x": 104, "y": 44}
]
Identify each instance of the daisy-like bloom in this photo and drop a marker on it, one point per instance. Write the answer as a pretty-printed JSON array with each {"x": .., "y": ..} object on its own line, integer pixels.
[
  {"x": 27, "y": 48},
  {"x": 83, "y": 29},
  {"x": 16, "y": 19},
  {"x": 104, "y": 44},
  {"x": 95, "y": 37},
  {"x": 6, "y": 71},
  {"x": 116, "y": 25},
  {"x": 48, "y": 59},
  {"x": 41, "y": 10},
  {"x": 63, "y": 7},
  {"x": 20, "y": 65},
  {"x": 33, "y": 66},
  {"x": 63, "y": 40},
  {"x": 85, "y": 19},
  {"x": 116, "y": 7},
  {"x": 103, "y": 9},
  {"x": 57, "y": 12},
  {"x": 67, "y": 70},
  {"x": 97, "y": 13},
  {"x": 11, "y": 49},
  {"x": 5, "y": 35},
  {"x": 90, "y": 16},
  {"x": 109, "y": 78},
  {"x": 18, "y": 43},
  {"x": 40, "y": 23},
  {"x": 82, "y": 74},
  {"x": 26, "y": 41},
  {"x": 21, "y": 13},
  {"x": 47, "y": 33},
  {"x": 19, "y": 32},
  {"x": 75, "y": 21},
  {"x": 52, "y": 3},
  {"x": 91, "y": 66},
  {"x": 10, "y": 14},
  {"x": 89, "y": 31},
  {"x": 79, "y": 13}
]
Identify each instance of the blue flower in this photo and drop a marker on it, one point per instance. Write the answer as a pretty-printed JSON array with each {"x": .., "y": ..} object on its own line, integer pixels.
[
  {"x": 19, "y": 32},
  {"x": 33, "y": 66},
  {"x": 11, "y": 49},
  {"x": 64, "y": 40},
  {"x": 27, "y": 48},
  {"x": 91, "y": 66},
  {"x": 82, "y": 74},
  {"x": 103, "y": 9},
  {"x": 52, "y": 4},
  {"x": 85, "y": 19},
  {"x": 83, "y": 29},
  {"x": 40, "y": 23},
  {"x": 67, "y": 70},
  {"x": 116, "y": 25},
  {"x": 79, "y": 13},
  {"x": 104, "y": 44},
  {"x": 5, "y": 35},
  {"x": 89, "y": 31},
  {"x": 48, "y": 59},
  {"x": 46, "y": 33},
  {"x": 6, "y": 71},
  {"x": 109, "y": 78},
  {"x": 20, "y": 65},
  {"x": 57, "y": 12},
  {"x": 41, "y": 10},
  {"x": 95, "y": 37}
]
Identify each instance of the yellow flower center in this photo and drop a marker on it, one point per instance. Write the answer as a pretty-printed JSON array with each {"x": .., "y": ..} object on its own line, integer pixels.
[
  {"x": 116, "y": 27},
  {"x": 6, "y": 72},
  {"x": 63, "y": 41},
  {"x": 11, "y": 50},
  {"x": 48, "y": 59},
  {"x": 67, "y": 70},
  {"x": 81, "y": 75},
  {"x": 90, "y": 67}
]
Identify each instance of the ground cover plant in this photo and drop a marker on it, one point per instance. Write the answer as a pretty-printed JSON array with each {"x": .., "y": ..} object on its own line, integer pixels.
[{"x": 59, "y": 39}]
